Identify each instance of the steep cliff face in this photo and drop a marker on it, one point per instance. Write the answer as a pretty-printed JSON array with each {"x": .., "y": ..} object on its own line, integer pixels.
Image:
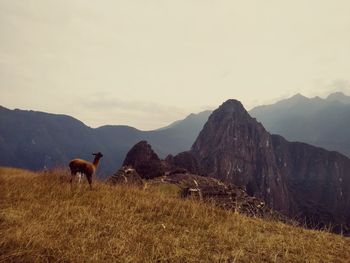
[
  {"x": 318, "y": 182},
  {"x": 297, "y": 179},
  {"x": 234, "y": 148}
]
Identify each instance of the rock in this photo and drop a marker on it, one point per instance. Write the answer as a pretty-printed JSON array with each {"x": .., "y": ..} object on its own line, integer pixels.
[
  {"x": 126, "y": 176},
  {"x": 145, "y": 161}
]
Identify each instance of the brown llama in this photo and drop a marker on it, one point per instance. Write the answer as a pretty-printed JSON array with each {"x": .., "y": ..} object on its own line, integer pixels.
[{"x": 79, "y": 166}]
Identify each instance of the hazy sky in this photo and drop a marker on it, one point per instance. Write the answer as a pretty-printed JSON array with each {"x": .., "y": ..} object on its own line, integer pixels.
[{"x": 146, "y": 63}]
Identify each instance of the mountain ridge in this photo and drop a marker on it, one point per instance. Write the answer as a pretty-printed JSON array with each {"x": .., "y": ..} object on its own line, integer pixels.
[
  {"x": 320, "y": 122},
  {"x": 38, "y": 140}
]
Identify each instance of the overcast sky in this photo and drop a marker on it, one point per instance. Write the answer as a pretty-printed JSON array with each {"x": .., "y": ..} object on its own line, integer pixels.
[{"x": 146, "y": 63}]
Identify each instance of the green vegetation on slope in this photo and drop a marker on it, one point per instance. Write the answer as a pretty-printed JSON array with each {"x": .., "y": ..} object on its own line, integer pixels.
[{"x": 43, "y": 219}]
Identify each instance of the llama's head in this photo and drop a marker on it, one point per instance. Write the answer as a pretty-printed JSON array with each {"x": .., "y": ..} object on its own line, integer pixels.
[{"x": 98, "y": 155}]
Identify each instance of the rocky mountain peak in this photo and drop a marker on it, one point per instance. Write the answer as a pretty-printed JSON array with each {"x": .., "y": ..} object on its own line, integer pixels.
[
  {"x": 226, "y": 124},
  {"x": 144, "y": 160},
  {"x": 297, "y": 179},
  {"x": 235, "y": 148},
  {"x": 140, "y": 152},
  {"x": 231, "y": 106}
]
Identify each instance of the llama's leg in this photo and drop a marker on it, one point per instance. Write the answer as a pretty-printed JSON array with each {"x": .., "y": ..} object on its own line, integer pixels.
[
  {"x": 71, "y": 178},
  {"x": 80, "y": 175},
  {"x": 89, "y": 178}
]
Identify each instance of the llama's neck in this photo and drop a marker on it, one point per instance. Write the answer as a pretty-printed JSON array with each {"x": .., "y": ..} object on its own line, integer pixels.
[{"x": 96, "y": 161}]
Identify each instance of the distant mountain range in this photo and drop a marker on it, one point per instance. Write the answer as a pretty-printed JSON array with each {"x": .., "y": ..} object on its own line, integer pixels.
[
  {"x": 38, "y": 140},
  {"x": 317, "y": 121}
]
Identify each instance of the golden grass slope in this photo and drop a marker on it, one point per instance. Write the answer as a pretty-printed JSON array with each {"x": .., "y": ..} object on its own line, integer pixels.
[{"x": 43, "y": 220}]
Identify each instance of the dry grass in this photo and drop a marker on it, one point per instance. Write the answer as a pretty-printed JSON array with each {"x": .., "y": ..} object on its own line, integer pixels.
[{"x": 42, "y": 219}]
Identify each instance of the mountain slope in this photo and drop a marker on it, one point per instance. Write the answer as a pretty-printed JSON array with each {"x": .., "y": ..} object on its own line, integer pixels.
[
  {"x": 42, "y": 219},
  {"x": 299, "y": 180},
  {"x": 320, "y": 122},
  {"x": 37, "y": 140}
]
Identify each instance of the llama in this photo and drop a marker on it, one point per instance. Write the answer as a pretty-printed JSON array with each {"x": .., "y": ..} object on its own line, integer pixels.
[{"x": 80, "y": 167}]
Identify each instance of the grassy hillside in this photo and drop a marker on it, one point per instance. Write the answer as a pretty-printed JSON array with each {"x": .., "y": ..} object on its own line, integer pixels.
[{"x": 43, "y": 219}]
